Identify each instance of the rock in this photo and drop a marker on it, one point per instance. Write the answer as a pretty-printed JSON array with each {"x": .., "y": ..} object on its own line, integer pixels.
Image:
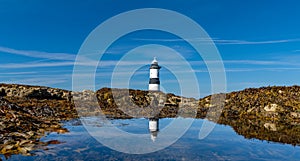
[
  {"x": 270, "y": 126},
  {"x": 8, "y": 147},
  {"x": 295, "y": 115},
  {"x": 2, "y": 92},
  {"x": 15, "y": 90},
  {"x": 271, "y": 108},
  {"x": 21, "y": 130},
  {"x": 54, "y": 142}
]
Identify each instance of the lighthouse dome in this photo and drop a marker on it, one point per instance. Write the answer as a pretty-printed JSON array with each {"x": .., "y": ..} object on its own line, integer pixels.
[{"x": 154, "y": 61}]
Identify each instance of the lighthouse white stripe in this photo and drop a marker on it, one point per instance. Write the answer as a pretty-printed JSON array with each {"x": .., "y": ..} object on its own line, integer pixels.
[
  {"x": 154, "y": 73},
  {"x": 153, "y": 87}
]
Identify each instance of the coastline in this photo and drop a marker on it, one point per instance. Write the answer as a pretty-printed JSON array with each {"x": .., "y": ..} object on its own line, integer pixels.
[{"x": 30, "y": 112}]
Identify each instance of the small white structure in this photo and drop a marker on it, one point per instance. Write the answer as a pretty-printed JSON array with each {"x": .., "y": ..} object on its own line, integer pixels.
[
  {"x": 154, "y": 82},
  {"x": 153, "y": 128}
]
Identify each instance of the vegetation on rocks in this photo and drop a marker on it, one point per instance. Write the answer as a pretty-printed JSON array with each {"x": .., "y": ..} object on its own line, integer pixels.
[
  {"x": 267, "y": 113},
  {"x": 30, "y": 112},
  {"x": 21, "y": 128}
]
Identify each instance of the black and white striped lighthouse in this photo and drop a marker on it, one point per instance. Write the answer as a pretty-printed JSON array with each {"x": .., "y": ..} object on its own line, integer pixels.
[{"x": 154, "y": 82}]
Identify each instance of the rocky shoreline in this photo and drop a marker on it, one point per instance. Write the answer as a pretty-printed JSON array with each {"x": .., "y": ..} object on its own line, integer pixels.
[
  {"x": 21, "y": 128},
  {"x": 30, "y": 112}
]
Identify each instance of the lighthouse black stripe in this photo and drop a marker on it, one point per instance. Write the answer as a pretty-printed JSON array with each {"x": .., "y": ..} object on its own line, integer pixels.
[
  {"x": 154, "y": 66},
  {"x": 154, "y": 81}
]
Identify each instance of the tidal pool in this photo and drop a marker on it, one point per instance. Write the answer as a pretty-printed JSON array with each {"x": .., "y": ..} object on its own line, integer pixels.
[{"x": 223, "y": 143}]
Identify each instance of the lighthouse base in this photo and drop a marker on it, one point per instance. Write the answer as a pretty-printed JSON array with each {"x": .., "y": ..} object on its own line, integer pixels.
[{"x": 153, "y": 87}]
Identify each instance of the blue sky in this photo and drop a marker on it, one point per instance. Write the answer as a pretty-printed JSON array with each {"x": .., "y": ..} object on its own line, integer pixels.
[{"x": 259, "y": 41}]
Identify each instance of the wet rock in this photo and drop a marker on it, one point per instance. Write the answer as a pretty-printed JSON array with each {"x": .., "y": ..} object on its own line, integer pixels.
[
  {"x": 54, "y": 142},
  {"x": 21, "y": 130}
]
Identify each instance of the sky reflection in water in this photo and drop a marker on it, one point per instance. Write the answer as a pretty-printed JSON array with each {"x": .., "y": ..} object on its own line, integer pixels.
[{"x": 222, "y": 144}]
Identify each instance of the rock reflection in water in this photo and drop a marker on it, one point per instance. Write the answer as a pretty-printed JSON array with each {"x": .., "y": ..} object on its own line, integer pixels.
[{"x": 269, "y": 131}]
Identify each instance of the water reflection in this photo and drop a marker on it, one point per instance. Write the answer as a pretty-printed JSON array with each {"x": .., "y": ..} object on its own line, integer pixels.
[
  {"x": 153, "y": 128},
  {"x": 274, "y": 131},
  {"x": 222, "y": 144}
]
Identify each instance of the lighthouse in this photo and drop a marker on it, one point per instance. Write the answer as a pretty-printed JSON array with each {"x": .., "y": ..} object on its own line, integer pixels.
[{"x": 154, "y": 82}]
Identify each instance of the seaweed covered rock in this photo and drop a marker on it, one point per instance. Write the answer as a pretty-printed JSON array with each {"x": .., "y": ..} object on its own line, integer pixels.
[
  {"x": 38, "y": 92},
  {"x": 20, "y": 130},
  {"x": 266, "y": 113},
  {"x": 138, "y": 103}
]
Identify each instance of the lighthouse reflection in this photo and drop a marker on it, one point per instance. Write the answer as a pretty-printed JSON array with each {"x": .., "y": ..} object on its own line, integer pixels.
[{"x": 153, "y": 128}]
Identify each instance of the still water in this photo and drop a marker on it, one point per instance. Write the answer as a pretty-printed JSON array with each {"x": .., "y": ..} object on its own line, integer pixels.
[{"x": 221, "y": 144}]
